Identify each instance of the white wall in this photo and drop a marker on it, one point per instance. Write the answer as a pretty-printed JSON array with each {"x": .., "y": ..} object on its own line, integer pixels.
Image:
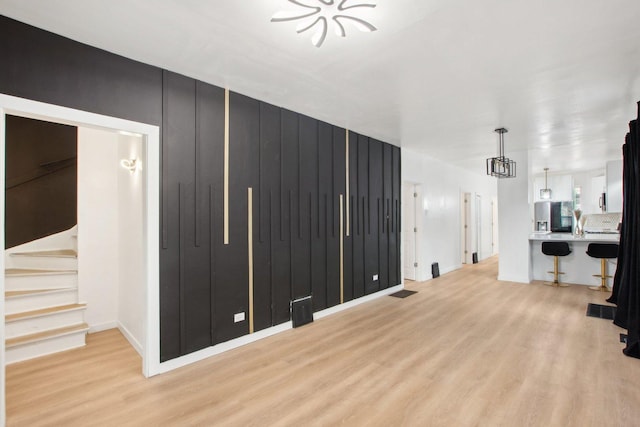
[
  {"x": 131, "y": 278},
  {"x": 98, "y": 226},
  {"x": 111, "y": 234},
  {"x": 440, "y": 231},
  {"x": 515, "y": 223},
  {"x": 614, "y": 186}
]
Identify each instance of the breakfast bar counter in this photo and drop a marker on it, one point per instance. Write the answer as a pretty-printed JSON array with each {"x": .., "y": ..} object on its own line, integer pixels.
[{"x": 578, "y": 267}]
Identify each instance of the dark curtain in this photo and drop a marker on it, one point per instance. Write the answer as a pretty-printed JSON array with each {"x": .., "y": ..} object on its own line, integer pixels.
[{"x": 626, "y": 291}]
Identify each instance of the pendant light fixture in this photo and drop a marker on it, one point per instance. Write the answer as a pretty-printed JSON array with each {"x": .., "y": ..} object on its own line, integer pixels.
[
  {"x": 500, "y": 166},
  {"x": 545, "y": 193}
]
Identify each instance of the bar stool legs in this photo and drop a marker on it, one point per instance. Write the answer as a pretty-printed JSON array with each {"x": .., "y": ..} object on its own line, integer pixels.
[
  {"x": 555, "y": 272},
  {"x": 556, "y": 250},
  {"x": 603, "y": 277},
  {"x": 603, "y": 251}
]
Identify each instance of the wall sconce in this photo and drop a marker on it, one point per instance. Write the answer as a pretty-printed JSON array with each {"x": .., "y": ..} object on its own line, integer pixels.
[
  {"x": 131, "y": 165},
  {"x": 545, "y": 193}
]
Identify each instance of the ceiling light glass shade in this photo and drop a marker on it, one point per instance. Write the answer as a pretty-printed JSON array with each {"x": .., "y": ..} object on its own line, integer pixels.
[
  {"x": 545, "y": 193},
  {"x": 319, "y": 15},
  {"x": 501, "y": 166}
]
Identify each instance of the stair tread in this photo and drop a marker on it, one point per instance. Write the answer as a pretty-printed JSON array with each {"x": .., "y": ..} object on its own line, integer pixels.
[
  {"x": 35, "y": 272},
  {"x": 43, "y": 311},
  {"x": 57, "y": 253},
  {"x": 10, "y": 294},
  {"x": 38, "y": 336}
]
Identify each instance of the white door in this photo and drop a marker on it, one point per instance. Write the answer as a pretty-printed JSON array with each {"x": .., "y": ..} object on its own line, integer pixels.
[
  {"x": 409, "y": 197},
  {"x": 466, "y": 231}
]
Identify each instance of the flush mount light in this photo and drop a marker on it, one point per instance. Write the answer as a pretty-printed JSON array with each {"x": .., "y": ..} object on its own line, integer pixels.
[
  {"x": 545, "y": 193},
  {"x": 130, "y": 164},
  {"x": 318, "y": 15},
  {"x": 500, "y": 166}
]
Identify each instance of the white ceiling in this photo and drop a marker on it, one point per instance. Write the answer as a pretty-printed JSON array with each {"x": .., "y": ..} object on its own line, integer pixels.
[{"x": 438, "y": 76}]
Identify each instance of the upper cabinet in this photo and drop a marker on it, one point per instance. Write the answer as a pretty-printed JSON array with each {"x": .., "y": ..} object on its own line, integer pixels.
[{"x": 561, "y": 187}]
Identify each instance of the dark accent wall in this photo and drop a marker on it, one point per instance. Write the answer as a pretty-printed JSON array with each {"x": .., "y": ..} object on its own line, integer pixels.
[
  {"x": 295, "y": 165},
  {"x": 41, "y": 179}
]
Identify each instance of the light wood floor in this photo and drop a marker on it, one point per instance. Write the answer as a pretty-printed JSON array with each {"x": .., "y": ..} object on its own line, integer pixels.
[{"x": 465, "y": 350}]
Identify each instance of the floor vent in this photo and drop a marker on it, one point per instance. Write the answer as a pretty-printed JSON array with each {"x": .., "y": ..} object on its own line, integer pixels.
[
  {"x": 435, "y": 270},
  {"x": 301, "y": 311}
]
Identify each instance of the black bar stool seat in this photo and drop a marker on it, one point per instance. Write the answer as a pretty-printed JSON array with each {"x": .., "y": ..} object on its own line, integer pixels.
[
  {"x": 556, "y": 250},
  {"x": 603, "y": 251}
]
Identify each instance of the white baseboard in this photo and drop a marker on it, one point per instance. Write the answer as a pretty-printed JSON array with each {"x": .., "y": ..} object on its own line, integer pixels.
[
  {"x": 129, "y": 336},
  {"x": 349, "y": 304},
  {"x": 517, "y": 279},
  {"x": 205, "y": 353},
  {"x": 102, "y": 327}
]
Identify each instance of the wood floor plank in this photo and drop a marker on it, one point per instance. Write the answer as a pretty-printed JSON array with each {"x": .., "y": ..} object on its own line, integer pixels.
[{"x": 466, "y": 350}]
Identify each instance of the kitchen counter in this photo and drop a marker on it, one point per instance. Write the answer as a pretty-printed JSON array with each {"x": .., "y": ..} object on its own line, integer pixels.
[
  {"x": 577, "y": 266},
  {"x": 568, "y": 237}
]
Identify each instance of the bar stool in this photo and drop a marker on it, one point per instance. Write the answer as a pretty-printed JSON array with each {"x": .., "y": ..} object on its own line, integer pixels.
[
  {"x": 604, "y": 251},
  {"x": 556, "y": 249}
]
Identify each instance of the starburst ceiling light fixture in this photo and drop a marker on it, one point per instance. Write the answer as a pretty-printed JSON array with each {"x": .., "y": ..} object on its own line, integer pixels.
[
  {"x": 318, "y": 15},
  {"x": 500, "y": 166}
]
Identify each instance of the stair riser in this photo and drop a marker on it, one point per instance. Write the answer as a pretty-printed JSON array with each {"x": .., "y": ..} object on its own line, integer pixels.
[
  {"x": 43, "y": 323},
  {"x": 37, "y": 301},
  {"x": 49, "y": 263},
  {"x": 42, "y": 348},
  {"x": 48, "y": 281}
]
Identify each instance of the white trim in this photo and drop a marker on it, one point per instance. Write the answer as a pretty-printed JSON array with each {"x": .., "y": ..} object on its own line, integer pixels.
[
  {"x": 102, "y": 327},
  {"x": 205, "y": 353},
  {"x": 355, "y": 302},
  {"x": 3, "y": 414},
  {"x": 151, "y": 135},
  {"x": 134, "y": 342}
]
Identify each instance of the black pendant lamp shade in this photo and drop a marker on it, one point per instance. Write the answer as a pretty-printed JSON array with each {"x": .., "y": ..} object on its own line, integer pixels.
[{"x": 500, "y": 166}]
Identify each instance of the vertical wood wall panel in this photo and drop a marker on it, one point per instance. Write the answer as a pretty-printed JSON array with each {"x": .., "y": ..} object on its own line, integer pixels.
[
  {"x": 265, "y": 212},
  {"x": 333, "y": 242},
  {"x": 295, "y": 164},
  {"x": 372, "y": 241},
  {"x": 178, "y": 147}
]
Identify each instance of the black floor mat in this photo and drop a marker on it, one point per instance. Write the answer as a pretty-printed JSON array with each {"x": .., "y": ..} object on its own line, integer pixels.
[
  {"x": 601, "y": 311},
  {"x": 403, "y": 293}
]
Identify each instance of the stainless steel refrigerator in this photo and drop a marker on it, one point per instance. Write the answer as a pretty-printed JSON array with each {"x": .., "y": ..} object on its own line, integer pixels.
[{"x": 553, "y": 216}]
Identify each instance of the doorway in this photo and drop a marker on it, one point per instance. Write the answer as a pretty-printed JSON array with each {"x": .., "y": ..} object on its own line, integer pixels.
[
  {"x": 149, "y": 134},
  {"x": 410, "y": 196}
]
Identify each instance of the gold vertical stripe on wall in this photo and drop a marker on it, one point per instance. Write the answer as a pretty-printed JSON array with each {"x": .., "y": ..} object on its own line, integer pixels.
[
  {"x": 226, "y": 167},
  {"x": 341, "y": 249},
  {"x": 346, "y": 175},
  {"x": 250, "y": 246}
]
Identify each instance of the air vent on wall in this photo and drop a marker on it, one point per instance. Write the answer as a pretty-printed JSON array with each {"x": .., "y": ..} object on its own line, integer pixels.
[{"x": 301, "y": 311}]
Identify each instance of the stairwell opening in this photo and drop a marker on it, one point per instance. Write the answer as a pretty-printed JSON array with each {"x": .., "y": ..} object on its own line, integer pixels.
[{"x": 134, "y": 210}]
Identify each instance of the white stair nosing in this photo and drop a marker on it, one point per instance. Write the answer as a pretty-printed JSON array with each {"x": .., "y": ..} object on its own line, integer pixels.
[
  {"x": 78, "y": 307},
  {"x": 50, "y": 253},
  {"x": 84, "y": 329},
  {"x": 34, "y": 272},
  {"x": 32, "y": 292}
]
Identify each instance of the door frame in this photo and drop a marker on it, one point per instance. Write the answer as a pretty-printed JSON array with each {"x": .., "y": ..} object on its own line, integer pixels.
[
  {"x": 412, "y": 204},
  {"x": 151, "y": 173}
]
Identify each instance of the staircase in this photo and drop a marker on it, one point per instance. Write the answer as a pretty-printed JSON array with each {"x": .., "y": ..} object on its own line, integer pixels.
[{"x": 43, "y": 314}]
